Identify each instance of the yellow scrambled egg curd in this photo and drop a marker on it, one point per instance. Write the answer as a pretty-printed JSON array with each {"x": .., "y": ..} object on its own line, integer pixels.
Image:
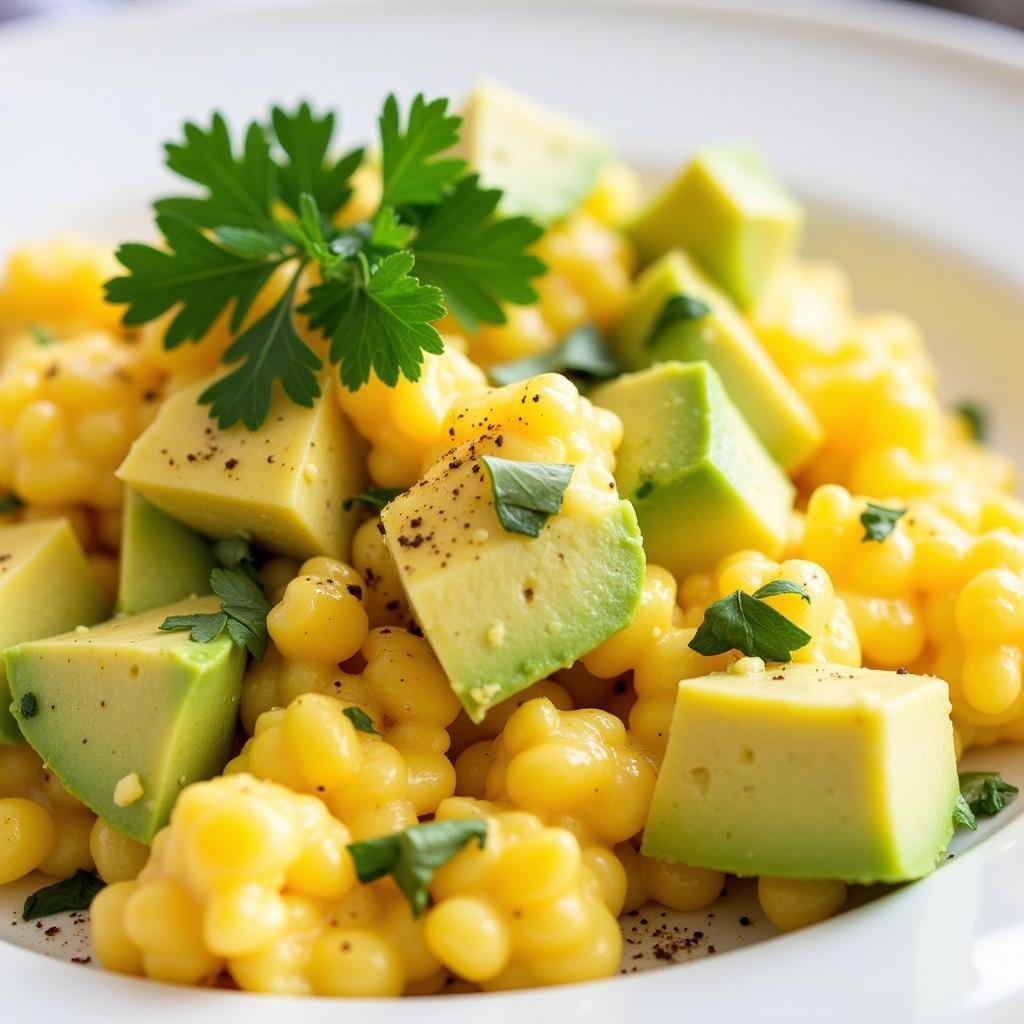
[
  {"x": 528, "y": 908},
  {"x": 57, "y": 286},
  {"x": 68, "y": 414},
  {"x": 543, "y": 419},
  {"x": 578, "y": 769},
  {"x": 312, "y": 746},
  {"x": 405, "y": 422},
  {"x": 42, "y": 826},
  {"x": 589, "y": 278},
  {"x": 943, "y": 593},
  {"x": 872, "y": 386}
]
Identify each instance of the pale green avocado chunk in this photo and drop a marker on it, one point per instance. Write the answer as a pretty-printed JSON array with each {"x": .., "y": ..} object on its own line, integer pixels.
[
  {"x": 729, "y": 210},
  {"x": 46, "y": 587},
  {"x": 123, "y": 699},
  {"x": 544, "y": 163},
  {"x": 771, "y": 405},
  {"x": 701, "y": 482},
  {"x": 808, "y": 771},
  {"x": 162, "y": 560},
  {"x": 502, "y": 610}
]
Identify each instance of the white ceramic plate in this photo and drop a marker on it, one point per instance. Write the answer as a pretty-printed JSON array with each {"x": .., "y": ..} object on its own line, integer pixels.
[{"x": 901, "y": 129}]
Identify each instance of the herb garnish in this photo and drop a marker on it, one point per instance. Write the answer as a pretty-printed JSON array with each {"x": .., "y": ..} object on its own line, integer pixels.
[
  {"x": 743, "y": 622},
  {"x": 10, "y": 503},
  {"x": 976, "y": 418},
  {"x": 360, "y": 719},
  {"x": 243, "y": 614},
  {"x": 379, "y": 284},
  {"x": 74, "y": 893},
  {"x": 236, "y": 553},
  {"x": 373, "y": 497},
  {"x": 40, "y": 334},
  {"x": 678, "y": 309},
  {"x": 582, "y": 353},
  {"x": 29, "y": 706},
  {"x": 985, "y": 792},
  {"x": 879, "y": 521},
  {"x": 963, "y": 815},
  {"x": 413, "y": 855},
  {"x": 526, "y": 494}
]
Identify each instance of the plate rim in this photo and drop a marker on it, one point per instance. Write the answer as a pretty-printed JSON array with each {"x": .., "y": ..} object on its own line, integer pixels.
[{"x": 1000, "y": 49}]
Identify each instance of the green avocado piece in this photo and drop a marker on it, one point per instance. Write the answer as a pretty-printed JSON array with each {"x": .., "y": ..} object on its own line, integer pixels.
[
  {"x": 729, "y": 210},
  {"x": 771, "y": 405},
  {"x": 502, "y": 610},
  {"x": 701, "y": 482},
  {"x": 808, "y": 771},
  {"x": 162, "y": 560},
  {"x": 46, "y": 586},
  {"x": 545, "y": 164},
  {"x": 126, "y": 698}
]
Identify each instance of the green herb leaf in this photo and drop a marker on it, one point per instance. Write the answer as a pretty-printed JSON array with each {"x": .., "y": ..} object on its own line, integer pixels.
[
  {"x": 236, "y": 553},
  {"x": 382, "y": 323},
  {"x": 306, "y": 142},
  {"x": 248, "y": 243},
  {"x": 963, "y": 815},
  {"x": 476, "y": 260},
  {"x": 197, "y": 274},
  {"x": 74, "y": 893},
  {"x": 782, "y": 587},
  {"x": 10, "y": 503},
  {"x": 879, "y": 521},
  {"x": 202, "y": 626},
  {"x": 40, "y": 335},
  {"x": 360, "y": 719},
  {"x": 678, "y": 309},
  {"x": 239, "y": 190},
  {"x": 976, "y": 418},
  {"x": 985, "y": 792},
  {"x": 745, "y": 623},
  {"x": 387, "y": 232},
  {"x": 412, "y": 172},
  {"x": 526, "y": 494},
  {"x": 374, "y": 497},
  {"x": 582, "y": 353},
  {"x": 29, "y": 706},
  {"x": 243, "y": 614},
  {"x": 412, "y": 856},
  {"x": 268, "y": 351}
]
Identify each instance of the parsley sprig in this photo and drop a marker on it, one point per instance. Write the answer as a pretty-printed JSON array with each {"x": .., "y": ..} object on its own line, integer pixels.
[
  {"x": 376, "y": 287},
  {"x": 743, "y": 622},
  {"x": 243, "y": 608}
]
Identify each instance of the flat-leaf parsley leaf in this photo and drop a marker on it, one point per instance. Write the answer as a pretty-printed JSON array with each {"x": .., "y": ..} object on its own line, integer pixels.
[
  {"x": 879, "y": 521},
  {"x": 375, "y": 286},
  {"x": 413, "y": 855},
  {"x": 678, "y": 309},
  {"x": 581, "y": 353},
  {"x": 743, "y": 622},
  {"x": 74, "y": 893},
  {"x": 526, "y": 494},
  {"x": 243, "y": 614},
  {"x": 985, "y": 792}
]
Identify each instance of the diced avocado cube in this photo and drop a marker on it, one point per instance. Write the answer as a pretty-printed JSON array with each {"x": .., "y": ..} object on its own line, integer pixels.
[
  {"x": 545, "y": 164},
  {"x": 701, "y": 482},
  {"x": 771, "y": 405},
  {"x": 46, "y": 587},
  {"x": 729, "y": 210},
  {"x": 282, "y": 486},
  {"x": 162, "y": 560},
  {"x": 502, "y": 610},
  {"x": 125, "y": 698},
  {"x": 808, "y": 771}
]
